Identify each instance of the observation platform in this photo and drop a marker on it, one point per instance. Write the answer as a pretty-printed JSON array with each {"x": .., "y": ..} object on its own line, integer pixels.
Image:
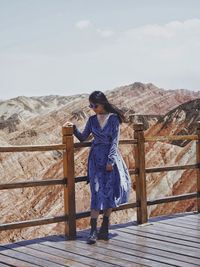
[{"x": 163, "y": 241}]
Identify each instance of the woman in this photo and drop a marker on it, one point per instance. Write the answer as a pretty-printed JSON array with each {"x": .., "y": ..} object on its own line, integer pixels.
[{"x": 107, "y": 172}]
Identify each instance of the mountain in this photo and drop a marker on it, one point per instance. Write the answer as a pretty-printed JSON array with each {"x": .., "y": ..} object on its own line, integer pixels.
[
  {"x": 145, "y": 99},
  {"x": 179, "y": 121},
  {"x": 39, "y": 120}
]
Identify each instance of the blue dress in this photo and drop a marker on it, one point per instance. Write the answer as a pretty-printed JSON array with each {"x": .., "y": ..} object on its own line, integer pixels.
[{"x": 109, "y": 189}]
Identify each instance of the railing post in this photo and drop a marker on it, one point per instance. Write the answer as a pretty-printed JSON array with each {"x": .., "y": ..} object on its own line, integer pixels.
[
  {"x": 141, "y": 196},
  {"x": 69, "y": 187},
  {"x": 198, "y": 162}
]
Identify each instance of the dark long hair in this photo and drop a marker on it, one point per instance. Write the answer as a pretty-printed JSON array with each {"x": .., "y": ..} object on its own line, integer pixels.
[{"x": 98, "y": 97}]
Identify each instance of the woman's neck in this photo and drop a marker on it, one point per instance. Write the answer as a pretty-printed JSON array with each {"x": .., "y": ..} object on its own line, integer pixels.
[{"x": 103, "y": 112}]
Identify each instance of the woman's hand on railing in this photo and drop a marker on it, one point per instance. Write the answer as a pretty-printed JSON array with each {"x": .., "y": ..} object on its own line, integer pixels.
[{"x": 68, "y": 124}]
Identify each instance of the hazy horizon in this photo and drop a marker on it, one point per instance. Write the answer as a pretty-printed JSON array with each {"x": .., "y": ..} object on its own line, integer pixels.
[
  {"x": 87, "y": 93},
  {"x": 67, "y": 47}
]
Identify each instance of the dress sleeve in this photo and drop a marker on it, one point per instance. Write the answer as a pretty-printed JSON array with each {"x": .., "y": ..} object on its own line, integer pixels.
[
  {"x": 82, "y": 136},
  {"x": 114, "y": 142}
]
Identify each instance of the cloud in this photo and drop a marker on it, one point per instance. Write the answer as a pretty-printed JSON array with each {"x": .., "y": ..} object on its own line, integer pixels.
[
  {"x": 105, "y": 33},
  {"x": 83, "y": 24},
  {"x": 168, "y": 30},
  {"x": 87, "y": 24},
  {"x": 164, "y": 54}
]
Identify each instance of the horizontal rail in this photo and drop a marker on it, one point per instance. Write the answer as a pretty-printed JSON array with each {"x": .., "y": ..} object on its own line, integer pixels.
[
  {"x": 32, "y": 184},
  {"x": 84, "y": 178},
  {"x": 133, "y": 171},
  {"x": 127, "y": 141},
  {"x": 29, "y": 223},
  {"x": 86, "y": 214},
  {"x": 80, "y": 179},
  {"x": 172, "y": 199},
  {"x": 171, "y": 138},
  {"x": 172, "y": 168},
  {"x": 82, "y": 144},
  {"x": 32, "y": 148},
  {"x": 121, "y": 142},
  {"x": 88, "y": 144}
]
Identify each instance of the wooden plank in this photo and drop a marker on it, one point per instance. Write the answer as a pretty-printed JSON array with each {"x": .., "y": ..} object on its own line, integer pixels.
[
  {"x": 171, "y": 199},
  {"x": 120, "y": 257},
  {"x": 171, "y": 229},
  {"x": 10, "y": 261},
  {"x": 192, "y": 214},
  {"x": 193, "y": 217},
  {"x": 119, "y": 253},
  {"x": 168, "y": 257},
  {"x": 128, "y": 253},
  {"x": 28, "y": 259},
  {"x": 170, "y": 138},
  {"x": 192, "y": 254},
  {"x": 32, "y": 184},
  {"x": 183, "y": 244},
  {"x": 175, "y": 234},
  {"x": 141, "y": 197},
  {"x": 159, "y": 236},
  {"x": 96, "y": 258},
  {"x": 133, "y": 171},
  {"x": 176, "y": 229},
  {"x": 84, "y": 178},
  {"x": 147, "y": 244},
  {"x": 82, "y": 144},
  {"x": 156, "y": 260},
  {"x": 198, "y": 162},
  {"x": 60, "y": 256},
  {"x": 47, "y": 256},
  {"x": 69, "y": 190},
  {"x": 3, "y": 264},
  {"x": 182, "y": 225},
  {"x": 162, "y": 244},
  {"x": 127, "y": 142},
  {"x": 31, "y": 148},
  {"x": 121, "y": 142},
  {"x": 172, "y": 168},
  {"x": 177, "y": 219},
  {"x": 80, "y": 179},
  {"x": 35, "y": 222},
  {"x": 187, "y": 221}
]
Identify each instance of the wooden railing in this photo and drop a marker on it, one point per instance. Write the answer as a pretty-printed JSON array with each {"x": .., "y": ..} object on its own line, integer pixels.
[{"x": 68, "y": 146}]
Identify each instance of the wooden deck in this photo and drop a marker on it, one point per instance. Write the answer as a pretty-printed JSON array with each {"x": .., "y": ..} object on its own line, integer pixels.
[{"x": 165, "y": 241}]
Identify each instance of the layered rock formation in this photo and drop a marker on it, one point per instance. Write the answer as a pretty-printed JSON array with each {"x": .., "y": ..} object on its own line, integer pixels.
[
  {"x": 179, "y": 121},
  {"x": 32, "y": 121}
]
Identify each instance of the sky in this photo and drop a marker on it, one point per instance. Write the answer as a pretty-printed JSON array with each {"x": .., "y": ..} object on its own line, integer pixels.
[{"x": 67, "y": 47}]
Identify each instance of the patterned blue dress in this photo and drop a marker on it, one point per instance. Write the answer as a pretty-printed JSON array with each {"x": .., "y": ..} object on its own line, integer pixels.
[{"x": 108, "y": 188}]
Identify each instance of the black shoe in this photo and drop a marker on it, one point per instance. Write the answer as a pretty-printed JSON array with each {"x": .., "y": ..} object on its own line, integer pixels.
[
  {"x": 103, "y": 232},
  {"x": 103, "y": 235},
  {"x": 92, "y": 238}
]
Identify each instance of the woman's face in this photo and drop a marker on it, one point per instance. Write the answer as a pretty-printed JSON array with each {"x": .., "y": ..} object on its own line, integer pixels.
[{"x": 98, "y": 108}]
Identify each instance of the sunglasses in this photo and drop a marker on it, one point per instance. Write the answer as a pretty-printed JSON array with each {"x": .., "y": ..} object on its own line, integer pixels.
[{"x": 93, "y": 105}]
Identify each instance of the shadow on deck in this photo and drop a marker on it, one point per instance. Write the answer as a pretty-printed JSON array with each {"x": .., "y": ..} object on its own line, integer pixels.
[{"x": 163, "y": 241}]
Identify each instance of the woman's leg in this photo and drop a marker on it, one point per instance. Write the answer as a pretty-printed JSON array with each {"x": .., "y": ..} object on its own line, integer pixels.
[
  {"x": 93, "y": 222},
  {"x": 94, "y": 213},
  {"x": 103, "y": 232},
  {"x": 107, "y": 212}
]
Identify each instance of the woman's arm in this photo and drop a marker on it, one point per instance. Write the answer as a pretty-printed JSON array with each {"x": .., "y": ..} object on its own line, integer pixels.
[
  {"x": 114, "y": 142},
  {"x": 82, "y": 136}
]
